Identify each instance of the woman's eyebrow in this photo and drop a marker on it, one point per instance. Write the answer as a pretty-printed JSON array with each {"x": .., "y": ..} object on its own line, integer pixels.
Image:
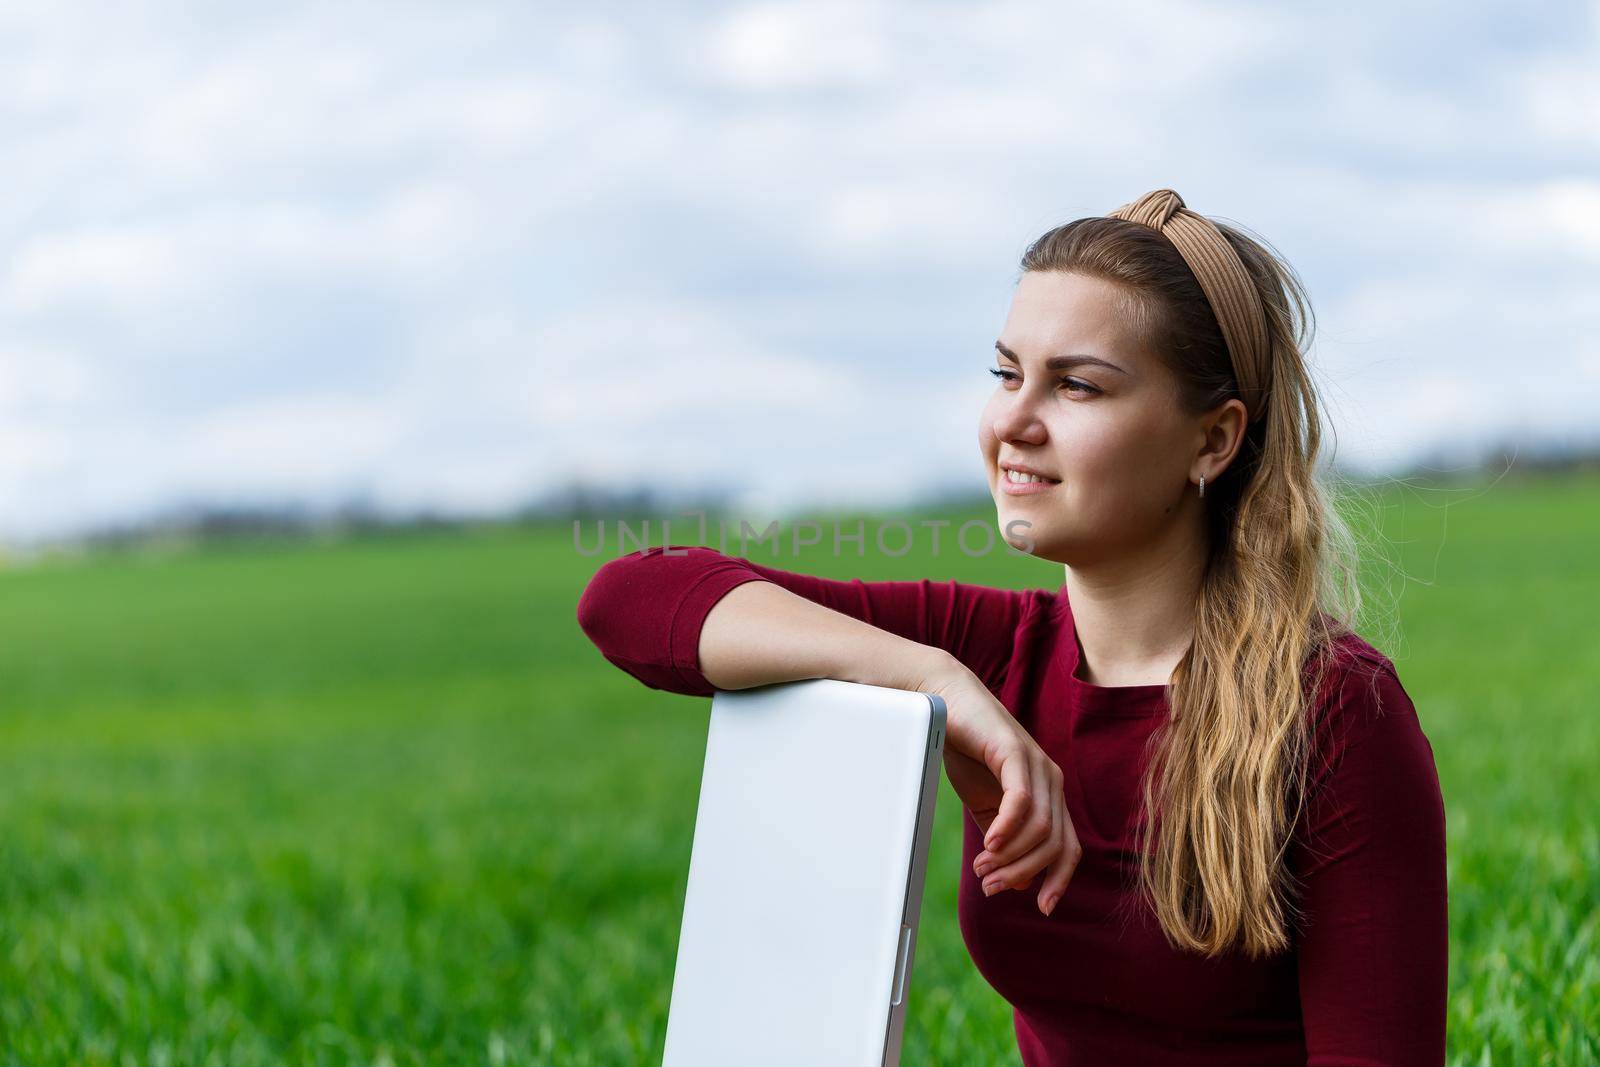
[{"x": 1063, "y": 362}]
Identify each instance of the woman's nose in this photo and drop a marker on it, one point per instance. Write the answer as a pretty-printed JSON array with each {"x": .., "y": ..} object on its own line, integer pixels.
[{"x": 1017, "y": 419}]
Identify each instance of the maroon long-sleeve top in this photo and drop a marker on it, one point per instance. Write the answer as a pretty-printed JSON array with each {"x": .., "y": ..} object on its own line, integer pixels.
[{"x": 1095, "y": 983}]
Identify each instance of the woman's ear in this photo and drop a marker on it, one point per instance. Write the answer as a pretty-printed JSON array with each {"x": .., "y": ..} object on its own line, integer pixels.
[{"x": 1222, "y": 432}]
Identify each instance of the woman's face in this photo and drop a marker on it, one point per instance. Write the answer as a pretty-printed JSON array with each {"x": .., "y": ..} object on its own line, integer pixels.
[{"x": 1079, "y": 401}]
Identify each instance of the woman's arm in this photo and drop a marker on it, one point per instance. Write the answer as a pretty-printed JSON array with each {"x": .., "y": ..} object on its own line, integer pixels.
[
  {"x": 677, "y": 621},
  {"x": 700, "y": 621},
  {"x": 800, "y": 638},
  {"x": 1373, "y": 957}
]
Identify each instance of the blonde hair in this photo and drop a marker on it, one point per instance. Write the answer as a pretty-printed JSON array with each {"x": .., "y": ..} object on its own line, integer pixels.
[{"x": 1226, "y": 773}]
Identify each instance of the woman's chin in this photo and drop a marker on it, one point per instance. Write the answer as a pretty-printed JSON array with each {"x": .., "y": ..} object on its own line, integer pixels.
[{"x": 1018, "y": 528}]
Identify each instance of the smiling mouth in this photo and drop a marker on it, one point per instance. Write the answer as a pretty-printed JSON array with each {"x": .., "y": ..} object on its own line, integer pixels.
[{"x": 1019, "y": 478}]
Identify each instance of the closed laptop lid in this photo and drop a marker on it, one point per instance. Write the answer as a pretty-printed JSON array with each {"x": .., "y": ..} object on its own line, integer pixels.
[{"x": 805, "y": 875}]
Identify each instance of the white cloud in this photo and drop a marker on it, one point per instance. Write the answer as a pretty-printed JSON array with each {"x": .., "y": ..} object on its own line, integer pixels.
[
  {"x": 800, "y": 46},
  {"x": 323, "y": 249}
]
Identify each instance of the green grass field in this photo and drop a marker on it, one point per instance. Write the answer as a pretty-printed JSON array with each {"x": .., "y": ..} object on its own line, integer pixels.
[{"x": 381, "y": 801}]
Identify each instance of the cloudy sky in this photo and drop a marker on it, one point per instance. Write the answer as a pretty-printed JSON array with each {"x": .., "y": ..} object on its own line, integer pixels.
[{"x": 454, "y": 255}]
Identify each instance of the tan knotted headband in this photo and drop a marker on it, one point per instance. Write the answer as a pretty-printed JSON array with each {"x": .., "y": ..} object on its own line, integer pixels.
[{"x": 1224, "y": 280}]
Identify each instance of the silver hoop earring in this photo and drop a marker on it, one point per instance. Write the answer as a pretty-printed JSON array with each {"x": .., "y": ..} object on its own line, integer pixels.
[{"x": 1202, "y": 485}]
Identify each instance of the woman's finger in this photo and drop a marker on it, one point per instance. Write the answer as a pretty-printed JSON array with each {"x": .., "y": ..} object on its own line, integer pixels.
[
  {"x": 1004, "y": 866},
  {"x": 1020, "y": 874},
  {"x": 1065, "y": 864},
  {"x": 1058, "y": 851},
  {"x": 1016, "y": 801}
]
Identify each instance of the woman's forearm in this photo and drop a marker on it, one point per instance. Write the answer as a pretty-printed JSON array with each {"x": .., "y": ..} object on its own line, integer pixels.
[{"x": 760, "y": 633}]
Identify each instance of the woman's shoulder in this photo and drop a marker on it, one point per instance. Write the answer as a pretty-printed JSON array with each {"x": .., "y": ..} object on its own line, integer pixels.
[
  {"x": 1374, "y": 809},
  {"x": 1021, "y": 603},
  {"x": 1353, "y": 655},
  {"x": 1361, "y": 697}
]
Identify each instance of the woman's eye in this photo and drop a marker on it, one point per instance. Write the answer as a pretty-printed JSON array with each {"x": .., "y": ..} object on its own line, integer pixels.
[{"x": 1070, "y": 384}]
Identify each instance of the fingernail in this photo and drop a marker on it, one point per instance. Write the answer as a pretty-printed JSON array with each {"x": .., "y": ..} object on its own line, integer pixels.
[
  {"x": 1050, "y": 905},
  {"x": 990, "y": 887},
  {"x": 981, "y": 870}
]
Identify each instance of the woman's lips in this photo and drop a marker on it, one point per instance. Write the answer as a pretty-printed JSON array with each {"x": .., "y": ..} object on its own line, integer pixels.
[{"x": 1011, "y": 488}]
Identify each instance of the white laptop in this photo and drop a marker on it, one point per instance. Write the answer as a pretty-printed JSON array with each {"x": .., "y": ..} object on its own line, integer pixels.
[{"x": 805, "y": 881}]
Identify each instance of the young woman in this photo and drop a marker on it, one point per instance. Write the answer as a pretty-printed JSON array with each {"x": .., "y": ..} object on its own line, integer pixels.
[{"x": 1223, "y": 795}]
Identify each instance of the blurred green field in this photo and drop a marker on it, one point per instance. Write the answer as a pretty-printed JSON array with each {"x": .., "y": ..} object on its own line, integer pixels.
[{"x": 381, "y": 801}]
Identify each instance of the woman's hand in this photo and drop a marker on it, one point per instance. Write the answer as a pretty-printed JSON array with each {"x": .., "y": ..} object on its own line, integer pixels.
[{"x": 1011, "y": 787}]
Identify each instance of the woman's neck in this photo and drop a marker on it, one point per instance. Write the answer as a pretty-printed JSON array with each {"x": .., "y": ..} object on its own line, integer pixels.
[{"x": 1135, "y": 614}]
